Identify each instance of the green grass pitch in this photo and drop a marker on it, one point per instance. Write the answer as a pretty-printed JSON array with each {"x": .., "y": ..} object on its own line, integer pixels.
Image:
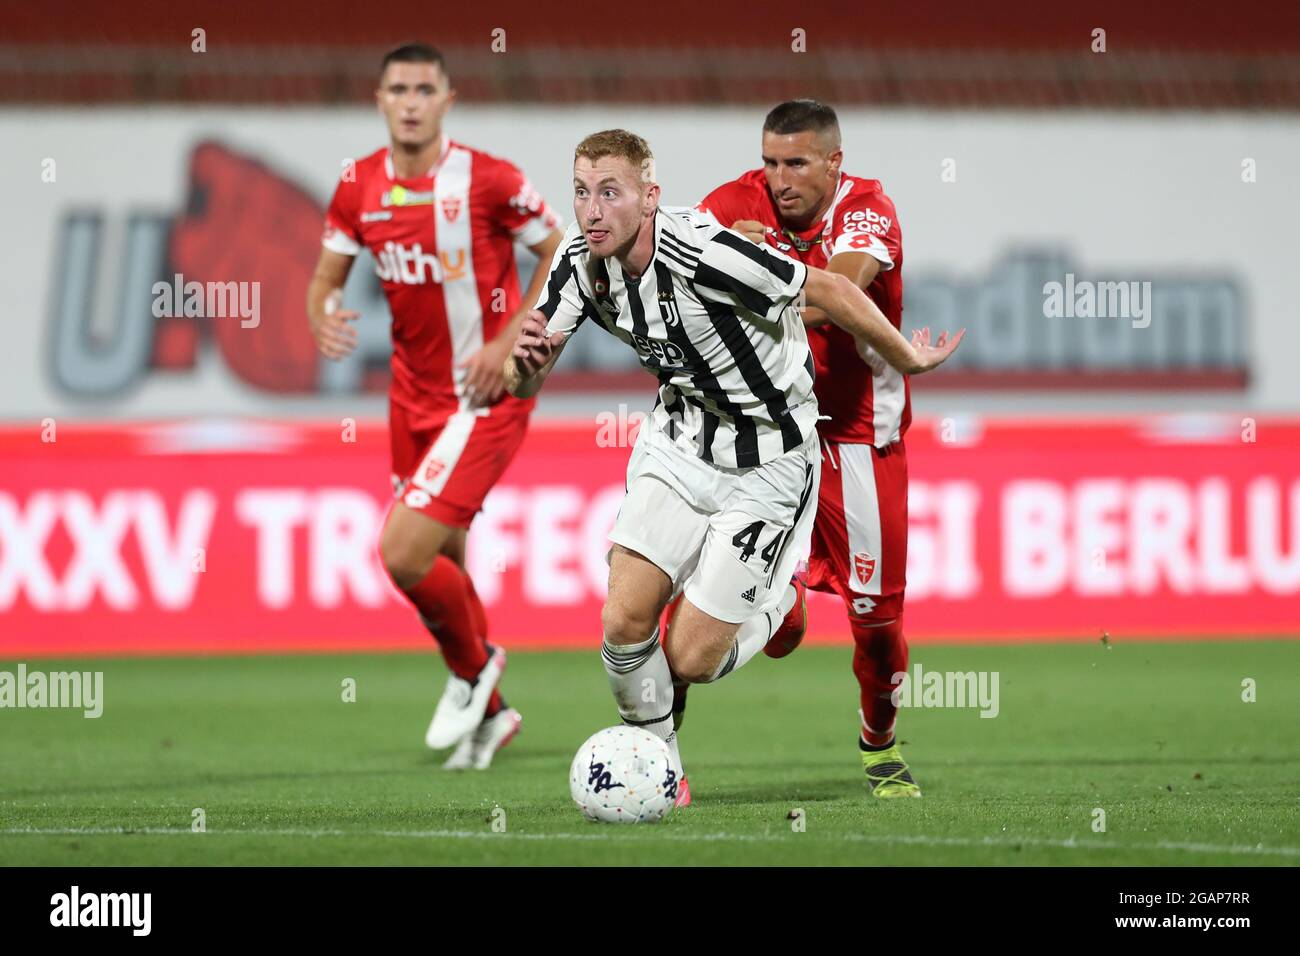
[{"x": 1154, "y": 734}]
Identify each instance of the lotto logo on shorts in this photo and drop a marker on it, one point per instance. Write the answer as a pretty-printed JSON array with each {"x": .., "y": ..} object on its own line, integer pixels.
[
  {"x": 417, "y": 498},
  {"x": 864, "y": 565}
]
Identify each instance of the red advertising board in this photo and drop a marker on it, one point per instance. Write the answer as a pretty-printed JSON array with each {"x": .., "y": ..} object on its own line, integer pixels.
[{"x": 260, "y": 536}]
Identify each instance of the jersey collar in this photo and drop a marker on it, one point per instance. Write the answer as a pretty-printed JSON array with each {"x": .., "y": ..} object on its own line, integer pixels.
[
  {"x": 433, "y": 170},
  {"x": 819, "y": 230}
]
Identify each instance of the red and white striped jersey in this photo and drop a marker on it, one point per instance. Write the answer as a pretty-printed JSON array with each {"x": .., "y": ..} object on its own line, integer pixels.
[
  {"x": 867, "y": 400},
  {"x": 444, "y": 250}
]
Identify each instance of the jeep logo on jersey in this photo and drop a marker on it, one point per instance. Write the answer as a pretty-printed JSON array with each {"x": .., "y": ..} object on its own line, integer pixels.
[
  {"x": 864, "y": 565},
  {"x": 665, "y": 353}
]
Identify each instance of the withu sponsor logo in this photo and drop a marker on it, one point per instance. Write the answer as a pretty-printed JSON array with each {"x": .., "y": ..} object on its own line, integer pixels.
[{"x": 414, "y": 266}]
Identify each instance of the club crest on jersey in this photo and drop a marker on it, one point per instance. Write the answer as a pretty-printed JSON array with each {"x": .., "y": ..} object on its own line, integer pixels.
[
  {"x": 864, "y": 566},
  {"x": 668, "y": 308},
  {"x": 451, "y": 208},
  {"x": 603, "y": 298}
]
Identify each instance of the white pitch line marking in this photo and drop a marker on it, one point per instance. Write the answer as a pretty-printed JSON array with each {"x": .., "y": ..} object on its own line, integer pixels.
[{"x": 649, "y": 835}]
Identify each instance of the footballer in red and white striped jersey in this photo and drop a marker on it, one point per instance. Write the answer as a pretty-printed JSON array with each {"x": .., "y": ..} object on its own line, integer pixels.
[
  {"x": 443, "y": 244},
  {"x": 441, "y": 220},
  {"x": 874, "y": 410},
  {"x": 801, "y": 203}
]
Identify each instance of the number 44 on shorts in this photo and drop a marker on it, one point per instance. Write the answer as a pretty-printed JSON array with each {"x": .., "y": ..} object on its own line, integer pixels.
[{"x": 746, "y": 540}]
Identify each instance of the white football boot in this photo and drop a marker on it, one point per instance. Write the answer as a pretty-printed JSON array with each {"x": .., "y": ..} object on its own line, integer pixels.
[
  {"x": 478, "y": 749},
  {"x": 462, "y": 705}
]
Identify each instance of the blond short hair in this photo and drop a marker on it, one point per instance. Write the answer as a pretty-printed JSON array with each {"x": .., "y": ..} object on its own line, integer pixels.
[{"x": 622, "y": 145}]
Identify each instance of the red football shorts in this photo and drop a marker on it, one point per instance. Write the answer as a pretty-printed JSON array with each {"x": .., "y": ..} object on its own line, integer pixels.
[
  {"x": 859, "y": 542},
  {"x": 446, "y": 472}
]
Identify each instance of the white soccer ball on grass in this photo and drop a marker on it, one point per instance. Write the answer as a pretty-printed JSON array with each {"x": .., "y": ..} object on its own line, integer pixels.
[{"x": 623, "y": 775}]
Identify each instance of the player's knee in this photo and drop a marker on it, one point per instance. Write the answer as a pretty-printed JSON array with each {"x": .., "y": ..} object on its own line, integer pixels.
[
  {"x": 624, "y": 625},
  {"x": 404, "y": 560},
  {"x": 693, "y": 664}
]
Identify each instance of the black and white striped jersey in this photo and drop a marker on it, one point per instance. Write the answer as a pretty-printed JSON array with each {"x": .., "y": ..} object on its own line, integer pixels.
[{"x": 713, "y": 318}]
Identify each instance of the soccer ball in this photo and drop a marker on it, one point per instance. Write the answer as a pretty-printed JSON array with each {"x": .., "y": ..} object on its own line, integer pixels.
[{"x": 623, "y": 775}]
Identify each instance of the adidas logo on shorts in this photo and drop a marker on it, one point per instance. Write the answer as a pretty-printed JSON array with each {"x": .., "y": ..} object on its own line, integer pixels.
[{"x": 749, "y": 595}]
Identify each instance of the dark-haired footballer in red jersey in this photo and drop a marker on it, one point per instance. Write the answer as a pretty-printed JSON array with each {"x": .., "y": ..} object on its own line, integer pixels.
[
  {"x": 441, "y": 220},
  {"x": 801, "y": 203}
]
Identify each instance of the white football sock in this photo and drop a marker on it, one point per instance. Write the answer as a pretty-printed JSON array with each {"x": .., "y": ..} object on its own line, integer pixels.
[
  {"x": 643, "y": 687},
  {"x": 754, "y": 634}
]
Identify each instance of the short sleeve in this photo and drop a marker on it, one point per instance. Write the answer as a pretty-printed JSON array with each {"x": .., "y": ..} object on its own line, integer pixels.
[
  {"x": 519, "y": 208},
  {"x": 868, "y": 224},
  {"x": 562, "y": 301},
  {"x": 719, "y": 206},
  {"x": 757, "y": 278},
  {"x": 342, "y": 219}
]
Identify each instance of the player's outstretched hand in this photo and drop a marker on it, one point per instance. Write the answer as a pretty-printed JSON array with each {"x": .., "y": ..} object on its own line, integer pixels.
[
  {"x": 533, "y": 348},
  {"x": 932, "y": 356},
  {"x": 751, "y": 229},
  {"x": 335, "y": 338}
]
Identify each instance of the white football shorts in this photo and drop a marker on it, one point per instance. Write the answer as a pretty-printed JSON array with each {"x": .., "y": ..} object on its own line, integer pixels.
[{"x": 730, "y": 537}]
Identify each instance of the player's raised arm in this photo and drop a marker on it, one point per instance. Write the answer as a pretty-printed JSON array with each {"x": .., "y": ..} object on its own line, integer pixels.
[
  {"x": 849, "y": 308},
  {"x": 546, "y": 328},
  {"x": 858, "y": 267}
]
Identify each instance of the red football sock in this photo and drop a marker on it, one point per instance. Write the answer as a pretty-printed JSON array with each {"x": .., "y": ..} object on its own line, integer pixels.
[
  {"x": 879, "y": 653},
  {"x": 479, "y": 617},
  {"x": 442, "y": 598}
]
